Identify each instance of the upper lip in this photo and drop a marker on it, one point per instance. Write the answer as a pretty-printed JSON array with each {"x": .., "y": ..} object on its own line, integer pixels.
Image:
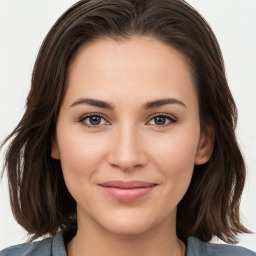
[{"x": 127, "y": 184}]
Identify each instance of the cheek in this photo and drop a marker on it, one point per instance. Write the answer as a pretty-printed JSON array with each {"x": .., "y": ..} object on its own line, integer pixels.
[
  {"x": 174, "y": 158},
  {"x": 80, "y": 157},
  {"x": 80, "y": 153},
  {"x": 176, "y": 154}
]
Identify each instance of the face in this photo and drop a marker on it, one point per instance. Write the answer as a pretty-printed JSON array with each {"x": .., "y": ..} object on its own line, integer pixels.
[{"x": 128, "y": 134}]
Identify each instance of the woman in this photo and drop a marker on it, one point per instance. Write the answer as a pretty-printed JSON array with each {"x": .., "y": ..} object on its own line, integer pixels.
[{"x": 127, "y": 145}]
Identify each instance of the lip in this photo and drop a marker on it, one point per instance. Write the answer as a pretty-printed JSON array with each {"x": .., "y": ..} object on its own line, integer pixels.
[{"x": 127, "y": 191}]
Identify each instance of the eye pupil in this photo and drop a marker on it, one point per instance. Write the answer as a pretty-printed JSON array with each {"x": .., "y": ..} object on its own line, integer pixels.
[
  {"x": 95, "y": 120},
  {"x": 160, "y": 120}
]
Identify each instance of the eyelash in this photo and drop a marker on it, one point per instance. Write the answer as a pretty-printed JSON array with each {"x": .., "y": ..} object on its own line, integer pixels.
[
  {"x": 171, "y": 119},
  {"x": 83, "y": 118}
]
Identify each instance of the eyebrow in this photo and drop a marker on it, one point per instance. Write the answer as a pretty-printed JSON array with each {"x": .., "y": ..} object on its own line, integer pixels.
[
  {"x": 162, "y": 102},
  {"x": 93, "y": 102},
  {"x": 146, "y": 106}
]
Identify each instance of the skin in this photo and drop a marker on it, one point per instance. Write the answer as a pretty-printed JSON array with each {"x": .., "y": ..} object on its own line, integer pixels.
[{"x": 129, "y": 144}]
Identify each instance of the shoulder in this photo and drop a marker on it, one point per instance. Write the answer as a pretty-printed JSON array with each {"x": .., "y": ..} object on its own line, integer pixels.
[
  {"x": 195, "y": 247},
  {"x": 48, "y": 247}
]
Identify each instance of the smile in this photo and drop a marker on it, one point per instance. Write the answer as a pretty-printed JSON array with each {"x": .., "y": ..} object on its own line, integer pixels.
[{"x": 127, "y": 191}]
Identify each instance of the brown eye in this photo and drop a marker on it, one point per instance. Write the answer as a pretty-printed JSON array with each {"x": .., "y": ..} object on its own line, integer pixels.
[
  {"x": 162, "y": 120},
  {"x": 93, "y": 120}
]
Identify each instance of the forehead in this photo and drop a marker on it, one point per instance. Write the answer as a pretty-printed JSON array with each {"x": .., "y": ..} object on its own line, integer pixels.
[
  {"x": 125, "y": 51},
  {"x": 140, "y": 64}
]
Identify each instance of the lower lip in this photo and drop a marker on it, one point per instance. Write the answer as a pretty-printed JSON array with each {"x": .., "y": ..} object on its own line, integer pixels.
[{"x": 127, "y": 194}]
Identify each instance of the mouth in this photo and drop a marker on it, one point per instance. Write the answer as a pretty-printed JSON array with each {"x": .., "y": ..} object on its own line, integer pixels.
[{"x": 127, "y": 191}]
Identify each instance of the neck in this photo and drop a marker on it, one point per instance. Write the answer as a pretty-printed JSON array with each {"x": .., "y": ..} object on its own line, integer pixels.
[{"x": 94, "y": 240}]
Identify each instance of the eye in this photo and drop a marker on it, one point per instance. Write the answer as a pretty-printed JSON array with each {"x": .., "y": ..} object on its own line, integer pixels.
[
  {"x": 93, "y": 120},
  {"x": 162, "y": 120}
]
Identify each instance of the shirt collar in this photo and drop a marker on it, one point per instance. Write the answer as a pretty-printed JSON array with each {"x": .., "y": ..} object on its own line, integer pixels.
[{"x": 58, "y": 246}]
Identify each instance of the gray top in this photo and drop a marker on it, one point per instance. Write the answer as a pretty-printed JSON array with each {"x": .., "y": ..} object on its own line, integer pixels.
[{"x": 55, "y": 247}]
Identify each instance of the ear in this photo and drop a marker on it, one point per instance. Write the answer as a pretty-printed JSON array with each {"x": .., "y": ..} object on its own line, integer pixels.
[
  {"x": 55, "y": 151},
  {"x": 205, "y": 145}
]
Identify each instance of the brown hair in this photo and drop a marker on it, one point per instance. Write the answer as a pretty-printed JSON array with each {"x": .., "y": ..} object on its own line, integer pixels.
[{"x": 39, "y": 198}]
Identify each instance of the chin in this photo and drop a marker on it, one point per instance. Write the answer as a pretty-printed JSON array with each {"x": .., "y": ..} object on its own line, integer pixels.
[
  {"x": 129, "y": 229},
  {"x": 130, "y": 225}
]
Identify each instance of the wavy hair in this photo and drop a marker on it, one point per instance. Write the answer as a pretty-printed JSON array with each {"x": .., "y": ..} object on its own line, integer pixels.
[{"x": 39, "y": 198}]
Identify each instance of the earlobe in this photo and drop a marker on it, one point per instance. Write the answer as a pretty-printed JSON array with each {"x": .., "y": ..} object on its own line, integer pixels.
[
  {"x": 205, "y": 145},
  {"x": 55, "y": 151}
]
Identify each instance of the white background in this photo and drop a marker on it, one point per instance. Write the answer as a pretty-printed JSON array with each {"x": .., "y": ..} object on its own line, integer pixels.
[{"x": 23, "y": 25}]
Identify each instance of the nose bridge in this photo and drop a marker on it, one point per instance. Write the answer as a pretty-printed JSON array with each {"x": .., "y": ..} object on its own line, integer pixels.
[{"x": 127, "y": 147}]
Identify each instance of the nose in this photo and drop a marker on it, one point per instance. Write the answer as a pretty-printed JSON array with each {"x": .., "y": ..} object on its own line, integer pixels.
[{"x": 127, "y": 149}]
